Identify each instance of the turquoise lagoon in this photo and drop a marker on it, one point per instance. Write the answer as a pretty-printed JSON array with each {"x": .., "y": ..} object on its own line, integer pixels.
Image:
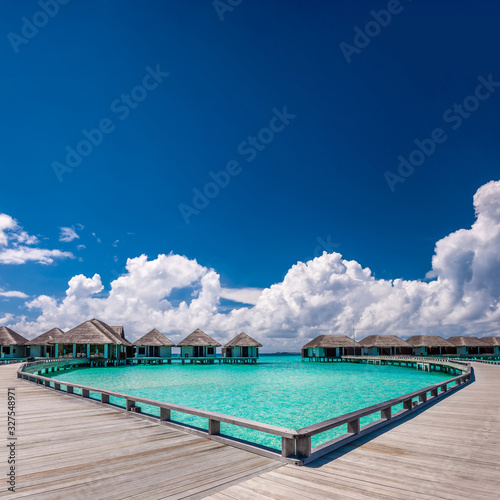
[{"x": 279, "y": 390}]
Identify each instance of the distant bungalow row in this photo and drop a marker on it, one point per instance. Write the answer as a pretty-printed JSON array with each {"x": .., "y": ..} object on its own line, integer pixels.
[
  {"x": 326, "y": 347},
  {"x": 96, "y": 339}
]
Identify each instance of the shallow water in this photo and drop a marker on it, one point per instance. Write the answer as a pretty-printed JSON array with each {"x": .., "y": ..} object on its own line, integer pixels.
[{"x": 279, "y": 390}]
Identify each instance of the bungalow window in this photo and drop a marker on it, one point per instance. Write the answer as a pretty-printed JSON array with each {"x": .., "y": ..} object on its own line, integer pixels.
[
  {"x": 210, "y": 351},
  {"x": 142, "y": 351},
  {"x": 6, "y": 350}
]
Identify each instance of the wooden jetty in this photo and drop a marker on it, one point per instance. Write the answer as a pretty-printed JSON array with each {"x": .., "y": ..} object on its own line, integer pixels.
[
  {"x": 70, "y": 446},
  {"x": 449, "y": 451}
]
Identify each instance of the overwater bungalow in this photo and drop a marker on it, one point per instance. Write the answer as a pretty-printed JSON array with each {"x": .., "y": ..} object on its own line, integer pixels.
[
  {"x": 43, "y": 346},
  {"x": 431, "y": 345},
  {"x": 468, "y": 345},
  {"x": 198, "y": 346},
  {"x": 329, "y": 348},
  {"x": 153, "y": 345},
  {"x": 385, "y": 345},
  {"x": 493, "y": 343},
  {"x": 241, "y": 349},
  {"x": 12, "y": 345},
  {"x": 92, "y": 338}
]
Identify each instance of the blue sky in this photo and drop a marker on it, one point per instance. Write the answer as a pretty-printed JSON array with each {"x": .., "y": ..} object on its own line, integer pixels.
[{"x": 316, "y": 183}]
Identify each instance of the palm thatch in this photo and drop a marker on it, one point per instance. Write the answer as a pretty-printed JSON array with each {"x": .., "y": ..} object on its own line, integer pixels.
[
  {"x": 154, "y": 338},
  {"x": 91, "y": 332},
  {"x": 331, "y": 341},
  {"x": 491, "y": 341},
  {"x": 464, "y": 341},
  {"x": 46, "y": 338},
  {"x": 10, "y": 337},
  {"x": 383, "y": 341},
  {"x": 429, "y": 341},
  {"x": 119, "y": 331},
  {"x": 198, "y": 338},
  {"x": 243, "y": 340}
]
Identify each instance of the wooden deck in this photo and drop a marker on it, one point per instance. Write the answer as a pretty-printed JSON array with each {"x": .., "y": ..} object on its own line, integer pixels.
[
  {"x": 450, "y": 451},
  {"x": 72, "y": 448}
]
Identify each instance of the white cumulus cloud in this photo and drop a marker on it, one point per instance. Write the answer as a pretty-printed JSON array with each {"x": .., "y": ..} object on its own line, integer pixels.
[{"x": 324, "y": 295}]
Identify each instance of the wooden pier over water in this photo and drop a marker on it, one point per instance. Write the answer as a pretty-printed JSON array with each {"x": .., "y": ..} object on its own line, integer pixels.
[{"x": 71, "y": 447}]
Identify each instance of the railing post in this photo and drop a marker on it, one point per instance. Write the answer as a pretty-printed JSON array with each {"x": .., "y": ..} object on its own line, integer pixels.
[
  {"x": 69, "y": 389},
  {"x": 408, "y": 404},
  {"x": 434, "y": 392},
  {"x": 104, "y": 398},
  {"x": 85, "y": 393},
  {"x": 423, "y": 397},
  {"x": 130, "y": 403},
  {"x": 57, "y": 386},
  {"x": 287, "y": 447},
  {"x": 386, "y": 414},
  {"x": 303, "y": 446},
  {"x": 353, "y": 426},
  {"x": 213, "y": 427},
  {"x": 164, "y": 414},
  {"x": 444, "y": 388}
]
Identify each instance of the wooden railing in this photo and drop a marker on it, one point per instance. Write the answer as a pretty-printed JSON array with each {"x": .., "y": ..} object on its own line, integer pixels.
[{"x": 295, "y": 444}]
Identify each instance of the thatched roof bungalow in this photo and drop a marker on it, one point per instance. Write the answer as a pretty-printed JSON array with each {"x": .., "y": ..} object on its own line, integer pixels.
[
  {"x": 431, "y": 345},
  {"x": 44, "y": 345},
  {"x": 12, "y": 345},
  {"x": 153, "y": 345},
  {"x": 242, "y": 346},
  {"x": 93, "y": 338},
  {"x": 385, "y": 345},
  {"x": 468, "y": 345},
  {"x": 198, "y": 345},
  {"x": 493, "y": 343},
  {"x": 325, "y": 347}
]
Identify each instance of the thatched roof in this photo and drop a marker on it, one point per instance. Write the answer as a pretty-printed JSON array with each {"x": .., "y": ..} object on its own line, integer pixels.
[
  {"x": 10, "y": 337},
  {"x": 491, "y": 341},
  {"x": 119, "y": 331},
  {"x": 154, "y": 338},
  {"x": 429, "y": 341},
  {"x": 91, "y": 332},
  {"x": 46, "y": 338},
  {"x": 331, "y": 341},
  {"x": 383, "y": 341},
  {"x": 243, "y": 340},
  {"x": 464, "y": 341},
  {"x": 198, "y": 338}
]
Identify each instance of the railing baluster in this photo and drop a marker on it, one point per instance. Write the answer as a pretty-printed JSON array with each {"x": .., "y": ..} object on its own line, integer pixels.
[
  {"x": 213, "y": 427},
  {"x": 287, "y": 447}
]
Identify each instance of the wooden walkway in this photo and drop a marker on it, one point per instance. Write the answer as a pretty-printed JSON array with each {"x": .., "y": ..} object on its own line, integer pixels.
[
  {"x": 450, "y": 451},
  {"x": 72, "y": 448}
]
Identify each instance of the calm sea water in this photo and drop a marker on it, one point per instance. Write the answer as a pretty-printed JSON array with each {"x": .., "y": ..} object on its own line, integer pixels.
[{"x": 279, "y": 390}]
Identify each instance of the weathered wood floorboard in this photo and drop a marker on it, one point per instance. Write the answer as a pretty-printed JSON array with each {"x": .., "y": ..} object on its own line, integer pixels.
[
  {"x": 449, "y": 451},
  {"x": 71, "y": 448}
]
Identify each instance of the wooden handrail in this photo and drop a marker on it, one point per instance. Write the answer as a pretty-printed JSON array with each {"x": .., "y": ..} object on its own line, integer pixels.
[{"x": 296, "y": 444}]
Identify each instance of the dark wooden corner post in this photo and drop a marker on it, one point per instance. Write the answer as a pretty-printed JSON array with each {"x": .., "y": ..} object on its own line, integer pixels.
[{"x": 303, "y": 446}]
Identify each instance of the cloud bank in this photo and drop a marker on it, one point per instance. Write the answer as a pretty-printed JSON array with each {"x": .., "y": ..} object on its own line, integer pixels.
[{"x": 324, "y": 295}]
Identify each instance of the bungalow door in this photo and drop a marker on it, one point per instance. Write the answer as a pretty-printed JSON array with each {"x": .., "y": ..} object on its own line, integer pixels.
[{"x": 244, "y": 352}]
